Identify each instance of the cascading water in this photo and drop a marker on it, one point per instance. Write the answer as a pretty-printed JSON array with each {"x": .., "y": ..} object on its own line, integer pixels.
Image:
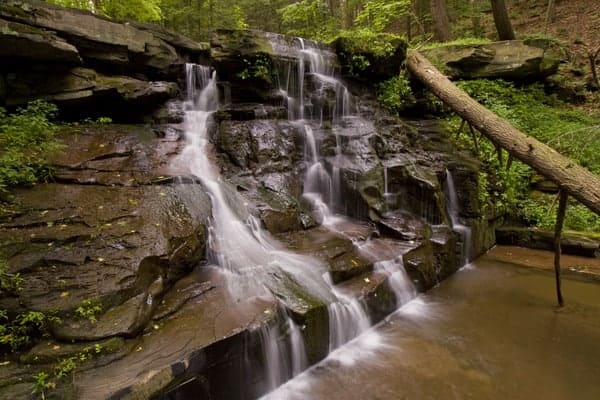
[
  {"x": 347, "y": 317},
  {"x": 253, "y": 261},
  {"x": 255, "y": 264},
  {"x": 453, "y": 209}
]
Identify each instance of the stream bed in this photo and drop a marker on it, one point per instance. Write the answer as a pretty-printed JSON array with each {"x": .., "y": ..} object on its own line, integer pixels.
[{"x": 490, "y": 331}]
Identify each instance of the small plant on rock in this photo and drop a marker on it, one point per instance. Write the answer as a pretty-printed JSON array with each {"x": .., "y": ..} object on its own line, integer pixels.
[{"x": 88, "y": 309}]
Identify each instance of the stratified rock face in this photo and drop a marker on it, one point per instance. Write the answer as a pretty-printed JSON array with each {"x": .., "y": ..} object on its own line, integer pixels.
[
  {"x": 110, "y": 229},
  {"x": 121, "y": 61},
  {"x": 123, "y": 226},
  {"x": 24, "y": 41},
  {"x": 510, "y": 59}
]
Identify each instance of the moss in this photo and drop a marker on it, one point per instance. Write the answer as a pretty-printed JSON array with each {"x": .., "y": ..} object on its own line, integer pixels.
[
  {"x": 363, "y": 41},
  {"x": 369, "y": 56},
  {"x": 459, "y": 42}
]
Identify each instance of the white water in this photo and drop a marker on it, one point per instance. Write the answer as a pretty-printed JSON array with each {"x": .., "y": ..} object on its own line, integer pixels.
[
  {"x": 347, "y": 316},
  {"x": 453, "y": 209},
  {"x": 254, "y": 261}
]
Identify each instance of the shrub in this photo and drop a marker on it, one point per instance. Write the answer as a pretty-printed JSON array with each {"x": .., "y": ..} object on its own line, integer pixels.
[
  {"x": 395, "y": 94},
  {"x": 26, "y": 138}
]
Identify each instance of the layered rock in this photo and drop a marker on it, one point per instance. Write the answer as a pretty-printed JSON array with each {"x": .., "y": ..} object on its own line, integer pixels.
[
  {"x": 98, "y": 67},
  {"x": 511, "y": 59},
  {"x": 120, "y": 225}
]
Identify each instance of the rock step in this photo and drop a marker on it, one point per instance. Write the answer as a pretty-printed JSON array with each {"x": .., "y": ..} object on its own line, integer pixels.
[{"x": 210, "y": 335}]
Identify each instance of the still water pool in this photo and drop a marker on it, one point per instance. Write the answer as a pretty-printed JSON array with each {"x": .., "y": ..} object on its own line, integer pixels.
[{"x": 491, "y": 331}]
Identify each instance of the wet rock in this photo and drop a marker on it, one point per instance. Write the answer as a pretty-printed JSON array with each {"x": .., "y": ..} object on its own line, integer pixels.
[
  {"x": 420, "y": 266},
  {"x": 244, "y": 58},
  {"x": 449, "y": 251},
  {"x": 340, "y": 254},
  {"x": 49, "y": 352},
  {"x": 116, "y": 155},
  {"x": 373, "y": 290},
  {"x": 209, "y": 336},
  {"x": 416, "y": 190},
  {"x": 510, "y": 59},
  {"x": 122, "y": 244},
  {"x": 404, "y": 226},
  {"x": 80, "y": 88}
]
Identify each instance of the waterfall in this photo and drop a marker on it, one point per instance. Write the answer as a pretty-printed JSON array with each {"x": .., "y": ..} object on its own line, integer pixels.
[
  {"x": 453, "y": 209},
  {"x": 252, "y": 260},
  {"x": 347, "y": 316}
]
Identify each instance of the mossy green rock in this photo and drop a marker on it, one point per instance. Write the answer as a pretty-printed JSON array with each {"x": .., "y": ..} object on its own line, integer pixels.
[{"x": 370, "y": 57}]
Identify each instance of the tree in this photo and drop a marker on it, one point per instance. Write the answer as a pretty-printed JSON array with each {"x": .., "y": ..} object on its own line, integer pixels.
[
  {"x": 139, "y": 10},
  {"x": 378, "y": 15},
  {"x": 441, "y": 21},
  {"x": 502, "y": 20}
]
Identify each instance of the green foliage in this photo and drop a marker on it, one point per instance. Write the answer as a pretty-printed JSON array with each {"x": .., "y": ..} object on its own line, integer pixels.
[
  {"x": 9, "y": 282},
  {"x": 42, "y": 384},
  {"x": 395, "y": 94},
  {"x": 528, "y": 108},
  {"x": 138, "y": 10},
  {"x": 531, "y": 110},
  {"x": 88, "y": 309},
  {"x": 378, "y": 15},
  {"x": 256, "y": 68},
  {"x": 43, "y": 381},
  {"x": 366, "y": 41},
  {"x": 309, "y": 19},
  {"x": 26, "y": 138},
  {"x": 541, "y": 212},
  {"x": 19, "y": 332},
  {"x": 358, "y": 64}
]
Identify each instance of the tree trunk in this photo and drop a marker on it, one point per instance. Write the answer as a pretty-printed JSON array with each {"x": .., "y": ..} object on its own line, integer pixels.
[
  {"x": 421, "y": 9},
  {"x": 441, "y": 21},
  {"x": 567, "y": 174},
  {"x": 560, "y": 217},
  {"x": 502, "y": 20},
  {"x": 551, "y": 11}
]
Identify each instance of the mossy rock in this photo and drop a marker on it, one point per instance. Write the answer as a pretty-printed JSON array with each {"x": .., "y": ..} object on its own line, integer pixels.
[
  {"x": 510, "y": 59},
  {"x": 370, "y": 57}
]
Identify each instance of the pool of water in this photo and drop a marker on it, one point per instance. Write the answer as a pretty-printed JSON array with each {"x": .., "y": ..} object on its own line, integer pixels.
[{"x": 491, "y": 331}]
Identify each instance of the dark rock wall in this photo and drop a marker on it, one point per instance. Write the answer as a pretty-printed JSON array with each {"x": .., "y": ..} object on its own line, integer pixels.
[{"x": 122, "y": 226}]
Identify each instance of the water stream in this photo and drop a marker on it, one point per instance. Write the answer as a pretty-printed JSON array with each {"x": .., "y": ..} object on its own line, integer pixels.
[
  {"x": 453, "y": 209},
  {"x": 255, "y": 264}
]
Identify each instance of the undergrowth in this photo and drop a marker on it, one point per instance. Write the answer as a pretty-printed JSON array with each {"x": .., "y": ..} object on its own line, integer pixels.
[
  {"x": 26, "y": 138},
  {"x": 531, "y": 110}
]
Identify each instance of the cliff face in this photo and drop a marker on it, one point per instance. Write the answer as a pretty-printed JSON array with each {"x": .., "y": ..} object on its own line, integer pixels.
[
  {"x": 122, "y": 226},
  {"x": 86, "y": 64}
]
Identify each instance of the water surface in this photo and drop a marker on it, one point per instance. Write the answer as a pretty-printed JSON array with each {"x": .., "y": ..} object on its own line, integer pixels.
[{"x": 491, "y": 331}]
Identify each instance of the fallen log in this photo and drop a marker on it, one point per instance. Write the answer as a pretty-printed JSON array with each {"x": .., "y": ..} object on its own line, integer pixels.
[{"x": 567, "y": 174}]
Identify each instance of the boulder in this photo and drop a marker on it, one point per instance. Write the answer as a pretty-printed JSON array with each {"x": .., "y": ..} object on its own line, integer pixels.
[
  {"x": 534, "y": 238},
  {"x": 510, "y": 59},
  {"x": 370, "y": 57}
]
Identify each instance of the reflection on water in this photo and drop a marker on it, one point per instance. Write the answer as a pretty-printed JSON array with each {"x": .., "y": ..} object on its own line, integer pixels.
[{"x": 488, "y": 332}]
